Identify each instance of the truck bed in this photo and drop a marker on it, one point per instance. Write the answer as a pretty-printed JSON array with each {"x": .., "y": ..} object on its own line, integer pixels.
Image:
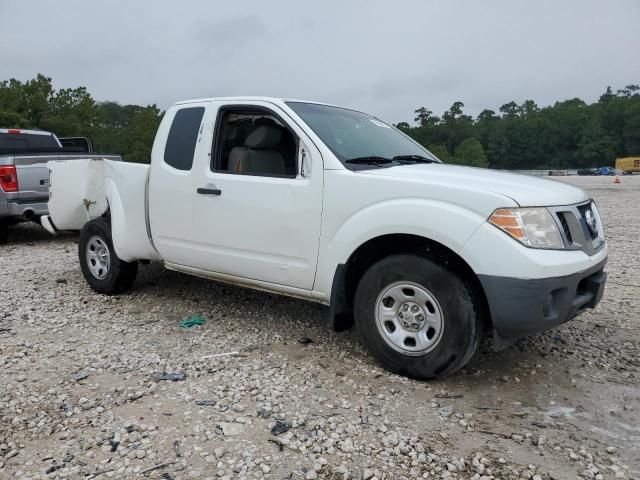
[{"x": 82, "y": 190}]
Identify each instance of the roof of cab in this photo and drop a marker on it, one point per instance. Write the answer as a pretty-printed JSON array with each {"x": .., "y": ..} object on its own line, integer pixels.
[
  {"x": 275, "y": 100},
  {"x": 22, "y": 131}
]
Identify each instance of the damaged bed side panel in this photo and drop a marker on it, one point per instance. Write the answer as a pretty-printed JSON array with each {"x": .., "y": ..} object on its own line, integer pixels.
[
  {"x": 76, "y": 192},
  {"x": 85, "y": 189}
]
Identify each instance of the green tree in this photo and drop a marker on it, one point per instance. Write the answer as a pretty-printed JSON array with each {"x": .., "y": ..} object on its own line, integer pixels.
[
  {"x": 141, "y": 133},
  {"x": 568, "y": 134},
  {"x": 71, "y": 112},
  {"x": 425, "y": 117},
  {"x": 595, "y": 148},
  {"x": 456, "y": 126},
  {"x": 128, "y": 130},
  {"x": 510, "y": 110},
  {"x": 441, "y": 152},
  {"x": 470, "y": 152},
  {"x": 631, "y": 120},
  {"x": 25, "y": 103}
]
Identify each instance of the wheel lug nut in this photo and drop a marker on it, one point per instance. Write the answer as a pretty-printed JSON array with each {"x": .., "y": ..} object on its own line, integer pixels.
[
  {"x": 405, "y": 308},
  {"x": 414, "y": 308},
  {"x": 400, "y": 314},
  {"x": 416, "y": 326},
  {"x": 420, "y": 318},
  {"x": 406, "y": 325}
]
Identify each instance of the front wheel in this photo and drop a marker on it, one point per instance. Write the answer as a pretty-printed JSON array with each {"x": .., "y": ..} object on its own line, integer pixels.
[
  {"x": 416, "y": 317},
  {"x": 101, "y": 267}
]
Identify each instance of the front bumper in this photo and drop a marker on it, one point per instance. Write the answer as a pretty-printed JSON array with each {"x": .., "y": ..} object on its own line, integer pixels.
[{"x": 521, "y": 307}]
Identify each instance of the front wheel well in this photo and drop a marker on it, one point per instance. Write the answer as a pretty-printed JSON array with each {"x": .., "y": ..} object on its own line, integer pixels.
[{"x": 348, "y": 275}]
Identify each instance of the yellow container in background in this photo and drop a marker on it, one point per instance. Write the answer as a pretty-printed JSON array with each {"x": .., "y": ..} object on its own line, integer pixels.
[{"x": 628, "y": 164}]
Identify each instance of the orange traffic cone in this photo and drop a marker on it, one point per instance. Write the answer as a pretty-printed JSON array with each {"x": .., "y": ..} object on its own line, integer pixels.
[{"x": 617, "y": 179}]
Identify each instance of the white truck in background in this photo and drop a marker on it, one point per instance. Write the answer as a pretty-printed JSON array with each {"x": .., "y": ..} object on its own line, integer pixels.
[{"x": 335, "y": 206}]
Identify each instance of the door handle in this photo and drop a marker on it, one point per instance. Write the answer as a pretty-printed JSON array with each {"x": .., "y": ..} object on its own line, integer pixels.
[{"x": 209, "y": 191}]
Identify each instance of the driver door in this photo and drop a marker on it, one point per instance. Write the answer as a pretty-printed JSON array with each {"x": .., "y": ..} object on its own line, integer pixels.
[{"x": 258, "y": 201}]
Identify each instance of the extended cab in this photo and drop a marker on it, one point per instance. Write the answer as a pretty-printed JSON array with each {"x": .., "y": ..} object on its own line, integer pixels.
[
  {"x": 24, "y": 176},
  {"x": 335, "y": 206}
]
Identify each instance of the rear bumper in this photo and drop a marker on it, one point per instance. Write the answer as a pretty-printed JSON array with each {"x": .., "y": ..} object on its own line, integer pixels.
[
  {"x": 521, "y": 307},
  {"x": 23, "y": 209}
]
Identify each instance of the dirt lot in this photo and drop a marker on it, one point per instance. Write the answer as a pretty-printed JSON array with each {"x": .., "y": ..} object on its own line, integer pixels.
[{"x": 79, "y": 395}]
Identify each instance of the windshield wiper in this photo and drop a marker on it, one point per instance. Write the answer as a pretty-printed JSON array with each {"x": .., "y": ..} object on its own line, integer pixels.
[
  {"x": 413, "y": 159},
  {"x": 401, "y": 159},
  {"x": 370, "y": 160}
]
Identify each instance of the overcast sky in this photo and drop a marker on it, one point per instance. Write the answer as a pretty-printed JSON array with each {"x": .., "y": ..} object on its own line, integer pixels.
[{"x": 384, "y": 57}]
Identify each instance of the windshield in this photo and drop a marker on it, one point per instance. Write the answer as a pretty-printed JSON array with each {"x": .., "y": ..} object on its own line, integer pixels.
[{"x": 360, "y": 138}]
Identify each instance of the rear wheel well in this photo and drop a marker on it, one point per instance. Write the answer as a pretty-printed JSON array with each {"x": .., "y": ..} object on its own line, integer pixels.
[{"x": 348, "y": 275}]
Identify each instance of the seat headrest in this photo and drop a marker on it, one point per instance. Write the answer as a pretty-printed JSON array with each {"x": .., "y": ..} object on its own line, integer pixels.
[{"x": 264, "y": 137}]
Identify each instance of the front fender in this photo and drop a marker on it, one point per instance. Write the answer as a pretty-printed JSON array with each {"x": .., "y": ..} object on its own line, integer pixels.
[{"x": 448, "y": 224}]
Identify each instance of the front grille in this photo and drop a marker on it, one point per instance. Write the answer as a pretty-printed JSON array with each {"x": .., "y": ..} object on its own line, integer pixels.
[
  {"x": 573, "y": 225},
  {"x": 565, "y": 227}
]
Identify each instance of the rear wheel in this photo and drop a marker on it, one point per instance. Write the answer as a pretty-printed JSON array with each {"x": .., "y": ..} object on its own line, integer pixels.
[
  {"x": 101, "y": 267},
  {"x": 416, "y": 317}
]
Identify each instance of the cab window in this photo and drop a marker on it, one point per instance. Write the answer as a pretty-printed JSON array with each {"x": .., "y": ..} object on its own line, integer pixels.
[
  {"x": 181, "y": 141},
  {"x": 253, "y": 141}
]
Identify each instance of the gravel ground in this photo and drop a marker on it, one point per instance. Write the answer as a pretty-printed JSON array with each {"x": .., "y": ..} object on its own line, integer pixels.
[{"x": 81, "y": 394}]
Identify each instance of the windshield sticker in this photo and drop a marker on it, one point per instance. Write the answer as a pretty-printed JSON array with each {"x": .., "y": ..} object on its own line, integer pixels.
[{"x": 379, "y": 123}]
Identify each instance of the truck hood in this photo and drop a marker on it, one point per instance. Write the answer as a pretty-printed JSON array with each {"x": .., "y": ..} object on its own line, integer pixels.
[{"x": 526, "y": 191}]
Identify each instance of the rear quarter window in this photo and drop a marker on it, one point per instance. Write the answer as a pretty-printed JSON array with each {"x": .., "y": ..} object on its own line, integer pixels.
[{"x": 181, "y": 142}]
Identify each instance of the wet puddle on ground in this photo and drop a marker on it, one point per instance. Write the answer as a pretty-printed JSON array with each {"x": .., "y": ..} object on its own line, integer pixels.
[{"x": 613, "y": 423}]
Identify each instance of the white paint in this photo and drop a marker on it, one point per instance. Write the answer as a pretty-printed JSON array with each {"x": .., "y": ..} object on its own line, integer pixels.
[
  {"x": 125, "y": 191},
  {"x": 76, "y": 192},
  {"x": 172, "y": 194},
  {"x": 492, "y": 252},
  {"x": 262, "y": 228},
  {"x": 528, "y": 191},
  {"x": 289, "y": 235},
  {"x": 82, "y": 190}
]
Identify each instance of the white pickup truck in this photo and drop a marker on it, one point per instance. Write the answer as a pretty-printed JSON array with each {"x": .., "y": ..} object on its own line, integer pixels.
[{"x": 335, "y": 206}]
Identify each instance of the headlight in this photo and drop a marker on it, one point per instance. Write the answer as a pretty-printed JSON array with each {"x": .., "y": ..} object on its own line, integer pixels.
[{"x": 533, "y": 227}]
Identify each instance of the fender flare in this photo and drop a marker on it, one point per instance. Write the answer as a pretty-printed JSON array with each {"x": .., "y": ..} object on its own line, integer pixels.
[{"x": 118, "y": 220}]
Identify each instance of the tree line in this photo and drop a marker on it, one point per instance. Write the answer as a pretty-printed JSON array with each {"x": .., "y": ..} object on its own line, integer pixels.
[
  {"x": 568, "y": 134},
  {"x": 127, "y": 130}
]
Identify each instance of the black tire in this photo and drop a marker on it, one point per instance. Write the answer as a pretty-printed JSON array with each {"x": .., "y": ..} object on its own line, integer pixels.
[
  {"x": 460, "y": 327},
  {"x": 120, "y": 275},
  {"x": 4, "y": 231}
]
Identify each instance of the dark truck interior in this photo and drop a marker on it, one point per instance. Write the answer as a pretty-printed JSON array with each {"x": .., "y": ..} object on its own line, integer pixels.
[
  {"x": 77, "y": 144},
  {"x": 255, "y": 143}
]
